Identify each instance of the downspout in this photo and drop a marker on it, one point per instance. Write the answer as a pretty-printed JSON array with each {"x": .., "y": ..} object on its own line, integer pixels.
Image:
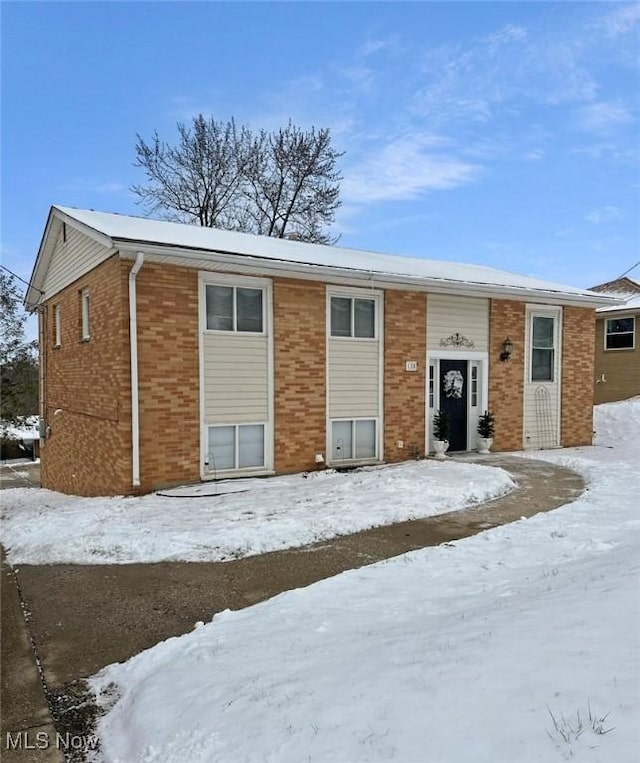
[{"x": 133, "y": 345}]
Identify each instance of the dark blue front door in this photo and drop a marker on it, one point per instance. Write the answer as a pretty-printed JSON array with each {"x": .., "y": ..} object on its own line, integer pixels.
[{"x": 453, "y": 400}]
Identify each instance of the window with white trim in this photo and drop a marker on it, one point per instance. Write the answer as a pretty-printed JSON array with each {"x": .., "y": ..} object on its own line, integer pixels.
[
  {"x": 542, "y": 348},
  {"x": 234, "y": 308},
  {"x": 474, "y": 385},
  {"x": 85, "y": 311},
  {"x": 619, "y": 333},
  {"x": 353, "y": 317},
  {"x": 57, "y": 326},
  {"x": 432, "y": 385},
  {"x": 235, "y": 446},
  {"x": 353, "y": 440}
]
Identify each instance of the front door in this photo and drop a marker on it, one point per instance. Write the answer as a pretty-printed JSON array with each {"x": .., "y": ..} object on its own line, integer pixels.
[{"x": 453, "y": 400}]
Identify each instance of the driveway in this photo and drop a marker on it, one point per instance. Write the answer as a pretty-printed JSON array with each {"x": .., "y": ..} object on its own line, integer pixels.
[
  {"x": 19, "y": 474},
  {"x": 85, "y": 617}
]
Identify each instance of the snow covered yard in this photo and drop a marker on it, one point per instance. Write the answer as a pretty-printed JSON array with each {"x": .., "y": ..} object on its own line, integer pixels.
[
  {"x": 519, "y": 645},
  {"x": 194, "y": 524}
]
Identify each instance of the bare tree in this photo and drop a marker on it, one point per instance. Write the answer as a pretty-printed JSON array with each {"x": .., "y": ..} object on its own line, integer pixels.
[
  {"x": 200, "y": 178},
  {"x": 294, "y": 187},
  {"x": 282, "y": 183}
]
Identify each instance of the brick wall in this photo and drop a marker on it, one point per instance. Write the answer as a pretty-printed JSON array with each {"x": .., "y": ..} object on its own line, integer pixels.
[
  {"x": 300, "y": 373},
  {"x": 405, "y": 317},
  {"x": 506, "y": 379},
  {"x": 86, "y": 388},
  {"x": 578, "y": 346},
  {"x": 168, "y": 375}
]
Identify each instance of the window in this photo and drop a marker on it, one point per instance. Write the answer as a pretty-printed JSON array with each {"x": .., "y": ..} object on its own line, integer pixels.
[
  {"x": 238, "y": 446},
  {"x": 353, "y": 440},
  {"x": 353, "y": 317},
  {"x": 474, "y": 386},
  {"x": 432, "y": 385},
  {"x": 57, "y": 326},
  {"x": 85, "y": 308},
  {"x": 542, "y": 348},
  {"x": 232, "y": 308},
  {"x": 619, "y": 334}
]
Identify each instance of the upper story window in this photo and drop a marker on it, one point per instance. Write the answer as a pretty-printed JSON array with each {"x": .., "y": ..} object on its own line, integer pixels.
[
  {"x": 542, "y": 348},
  {"x": 85, "y": 315},
  {"x": 619, "y": 334},
  {"x": 235, "y": 308},
  {"x": 57, "y": 326},
  {"x": 353, "y": 317}
]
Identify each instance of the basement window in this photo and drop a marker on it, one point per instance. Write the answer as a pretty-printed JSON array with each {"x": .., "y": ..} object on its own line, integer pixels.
[
  {"x": 620, "y": 334},
  {"x": 85, "y": 315},
  {"x": 236, "y": 446},
  {"x": 234, "y": 308},
  {"x": 353, "y": 440}
]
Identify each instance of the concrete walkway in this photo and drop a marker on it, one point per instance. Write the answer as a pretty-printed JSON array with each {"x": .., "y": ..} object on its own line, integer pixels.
[{"x": 85, "y": 617}]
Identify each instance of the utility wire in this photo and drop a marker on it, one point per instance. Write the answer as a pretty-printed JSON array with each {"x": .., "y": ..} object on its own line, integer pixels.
[
  {"x": 630, "y": 269},
  {"x": 15, "y": 275}
]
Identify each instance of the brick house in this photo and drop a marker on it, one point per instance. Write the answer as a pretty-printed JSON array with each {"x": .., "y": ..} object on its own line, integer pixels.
[
  {"x": 617, "y": 350},
  {"x": 173, "y": 353}
]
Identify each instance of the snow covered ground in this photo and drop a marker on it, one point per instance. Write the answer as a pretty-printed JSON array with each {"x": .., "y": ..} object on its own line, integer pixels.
[
  {"x": 517, "y": 645},
  {"x": 43, "y": 527}
]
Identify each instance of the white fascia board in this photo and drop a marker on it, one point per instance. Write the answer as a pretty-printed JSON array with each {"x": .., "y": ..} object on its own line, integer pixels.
[
  {"x": 351, "y": 276},
  {"x": 55, "y": 218}
]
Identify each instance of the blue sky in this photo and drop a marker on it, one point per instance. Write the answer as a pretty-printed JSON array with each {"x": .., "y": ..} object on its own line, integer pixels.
[{"x": 499, "y": 133}]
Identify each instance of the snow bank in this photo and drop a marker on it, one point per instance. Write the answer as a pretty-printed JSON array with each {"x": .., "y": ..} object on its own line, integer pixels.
[
  {"x": 43, "y": 527},
  {"x": 455, "y": 654}
]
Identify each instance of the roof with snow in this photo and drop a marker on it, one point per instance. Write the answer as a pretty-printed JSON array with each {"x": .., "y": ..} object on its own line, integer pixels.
[{"x": 125, "y": 232}]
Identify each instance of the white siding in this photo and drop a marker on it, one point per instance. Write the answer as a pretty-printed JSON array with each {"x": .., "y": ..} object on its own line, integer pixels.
[
  {"x": 354, "y": 378},
  {"x": 542, "y": 399},
  {"x": 72, "y": 259},
  {"x": 447, "y": 315},
  {"x": 236, "y": 378}
]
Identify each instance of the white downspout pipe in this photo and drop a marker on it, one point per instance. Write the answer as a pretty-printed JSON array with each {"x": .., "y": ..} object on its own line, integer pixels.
[{"x": 133, "y": 345}]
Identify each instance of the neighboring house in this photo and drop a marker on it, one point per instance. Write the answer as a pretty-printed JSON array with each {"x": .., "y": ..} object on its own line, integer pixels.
[
  {"x": 173, "y": 353},
  {"x": 20, "y": 440},
  {"x": 617, "y": 360}
]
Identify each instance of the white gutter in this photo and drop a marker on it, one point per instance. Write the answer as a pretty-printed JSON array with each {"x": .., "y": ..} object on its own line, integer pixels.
[
  {"x": 133, "y": 344},
  {"x": 249, "y": 263}
]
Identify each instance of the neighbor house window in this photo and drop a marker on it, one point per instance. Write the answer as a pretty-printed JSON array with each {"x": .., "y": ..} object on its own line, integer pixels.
[
  {"x": 85, "y": 315},
  {"x": 234, "y": 308},
  {"x": 542, "y": 348},
  {"x": 57, "y": 326},
  {"x": 238, "y": 446},
  {"x": 353, "y": 440},
  {"x": 353, "y": 317},
  {"x": 620, "y": 334}
]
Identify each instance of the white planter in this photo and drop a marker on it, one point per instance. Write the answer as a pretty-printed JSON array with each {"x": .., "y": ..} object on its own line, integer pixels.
[
  {"x": 484, "y": 445},
  {"x": 439, "y": 447}
]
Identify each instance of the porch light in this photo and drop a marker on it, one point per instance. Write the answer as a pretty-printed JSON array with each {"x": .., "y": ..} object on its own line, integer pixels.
[{"x": 507, "y": 349}]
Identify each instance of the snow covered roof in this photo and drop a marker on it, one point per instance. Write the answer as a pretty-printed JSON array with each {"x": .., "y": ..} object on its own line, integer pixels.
[
  {"x": 125, "y": 232},
  {"x": 27, "y": 429},
  {"x": 631, "y": 304}
]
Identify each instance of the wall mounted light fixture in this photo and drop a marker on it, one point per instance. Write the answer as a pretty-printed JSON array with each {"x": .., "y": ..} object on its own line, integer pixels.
[{"x": 507, "y": 349}]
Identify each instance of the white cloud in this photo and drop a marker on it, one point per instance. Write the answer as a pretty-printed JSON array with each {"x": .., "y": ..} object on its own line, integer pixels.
[
  {"x": 406, "y": 168},
  {"x": 607, "y": 214},
  {"x": 603, "y": 116},
  {"x": 622, "y": 20}
]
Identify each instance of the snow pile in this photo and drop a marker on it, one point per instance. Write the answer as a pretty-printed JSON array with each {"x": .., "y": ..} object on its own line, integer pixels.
[
  {"x": 43, "y": 527},
  {"x": 519, "y": 644}
]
